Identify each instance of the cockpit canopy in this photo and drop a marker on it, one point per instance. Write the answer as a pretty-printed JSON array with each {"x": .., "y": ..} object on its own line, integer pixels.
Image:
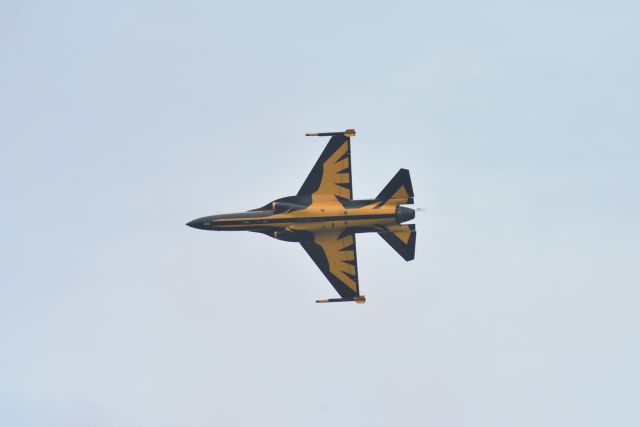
[{"x": 285, "y": 204}]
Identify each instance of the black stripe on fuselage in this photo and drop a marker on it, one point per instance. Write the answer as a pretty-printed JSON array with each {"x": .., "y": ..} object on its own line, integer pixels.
[{"x": 300, "y": 219}]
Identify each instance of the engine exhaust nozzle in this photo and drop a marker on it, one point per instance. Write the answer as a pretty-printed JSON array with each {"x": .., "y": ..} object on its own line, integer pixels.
[{"x": 404, "y": 214}]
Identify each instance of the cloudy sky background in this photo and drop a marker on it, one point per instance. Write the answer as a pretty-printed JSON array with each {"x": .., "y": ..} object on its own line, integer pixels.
[{"x": 121, "y": 121}]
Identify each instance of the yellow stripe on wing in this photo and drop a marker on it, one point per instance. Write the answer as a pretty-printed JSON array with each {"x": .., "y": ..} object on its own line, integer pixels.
[
  {"x": 341, "y": 255},
  {"x": 336, "y": 176}
]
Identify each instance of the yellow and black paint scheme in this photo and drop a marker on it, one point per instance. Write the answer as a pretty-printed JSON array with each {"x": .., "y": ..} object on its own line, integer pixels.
[{"x": 324, "y": 218}]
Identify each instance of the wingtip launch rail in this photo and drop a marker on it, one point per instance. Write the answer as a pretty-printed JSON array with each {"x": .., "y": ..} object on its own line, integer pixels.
[
  {"x": 360, "y": 299},
  {"x": 348, "y": 133}
]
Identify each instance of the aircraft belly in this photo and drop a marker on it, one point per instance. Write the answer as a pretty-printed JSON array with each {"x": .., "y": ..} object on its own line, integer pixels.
[{"x": 363, "y": 225}]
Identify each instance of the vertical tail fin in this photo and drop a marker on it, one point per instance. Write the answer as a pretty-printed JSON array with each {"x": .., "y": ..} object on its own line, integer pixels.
[{"x": 398, "y": 191}]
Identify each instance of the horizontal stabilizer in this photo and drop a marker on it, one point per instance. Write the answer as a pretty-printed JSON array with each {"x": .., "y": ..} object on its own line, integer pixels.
[
  {"x": 402, "y": 238},
  {"x": 399, "y": 191}
]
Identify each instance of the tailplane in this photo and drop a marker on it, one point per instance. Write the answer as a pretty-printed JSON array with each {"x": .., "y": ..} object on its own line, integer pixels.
[
  {"x": 401, "y": 237},
  {"x": 398, "y": 191}
]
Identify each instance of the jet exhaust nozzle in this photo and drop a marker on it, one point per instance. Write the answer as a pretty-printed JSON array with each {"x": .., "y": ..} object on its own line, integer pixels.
[{"x": 404, "y": 214}]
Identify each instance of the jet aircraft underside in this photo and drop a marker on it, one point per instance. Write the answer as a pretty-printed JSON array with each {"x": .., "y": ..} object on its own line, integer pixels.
[{"x": 324, "y": 218}]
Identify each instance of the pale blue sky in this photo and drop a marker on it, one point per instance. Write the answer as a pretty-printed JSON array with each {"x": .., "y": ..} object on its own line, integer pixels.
[{"x": 120, "y": 121}]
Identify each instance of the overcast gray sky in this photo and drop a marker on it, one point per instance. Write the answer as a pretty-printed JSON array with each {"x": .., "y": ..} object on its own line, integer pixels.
[{"x": 121, "y": 121}]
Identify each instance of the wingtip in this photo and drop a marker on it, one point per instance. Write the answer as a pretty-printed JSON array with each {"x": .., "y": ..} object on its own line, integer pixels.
[
  {"x": 360, "y": 299},
  {"x": 348, "y": 133}
]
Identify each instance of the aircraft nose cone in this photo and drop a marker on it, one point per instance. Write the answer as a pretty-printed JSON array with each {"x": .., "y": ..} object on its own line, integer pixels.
[{"x": 197, "y": 223}]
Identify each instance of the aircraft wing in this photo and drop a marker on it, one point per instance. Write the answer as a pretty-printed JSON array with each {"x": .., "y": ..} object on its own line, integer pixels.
[
  {"x": 331, "y": 174},
  {"x": 335, "y": 255}
]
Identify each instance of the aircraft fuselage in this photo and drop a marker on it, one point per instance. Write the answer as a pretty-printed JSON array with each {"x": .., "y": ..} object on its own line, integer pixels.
[{"x": 297, "y": 218}]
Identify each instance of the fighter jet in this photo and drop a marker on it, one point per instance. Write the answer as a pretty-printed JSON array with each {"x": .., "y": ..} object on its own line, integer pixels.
[{"x": 324, "y": 218}]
